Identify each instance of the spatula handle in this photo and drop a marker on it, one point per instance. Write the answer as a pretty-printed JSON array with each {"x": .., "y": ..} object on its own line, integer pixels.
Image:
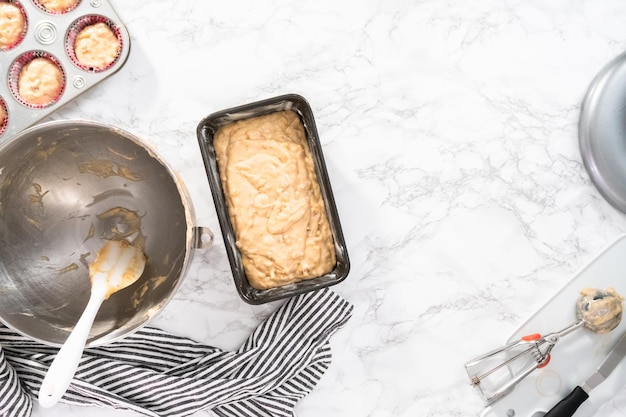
[
  {"x": 568, "y": 405},
  {"x": 64, "y": 365}
]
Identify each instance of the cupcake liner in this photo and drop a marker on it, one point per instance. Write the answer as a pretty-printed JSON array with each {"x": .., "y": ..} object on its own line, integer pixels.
[
  {"x": 24, "y": 30},
  {"x": 5, "y": 120},
  {"x": 43, "y": 8},
  {"x": 77, "y": 26},
  {"x": 16, "y": 69}
]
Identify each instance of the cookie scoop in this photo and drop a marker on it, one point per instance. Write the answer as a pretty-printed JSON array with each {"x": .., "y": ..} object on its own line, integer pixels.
[{"x": 600, "y": 311}]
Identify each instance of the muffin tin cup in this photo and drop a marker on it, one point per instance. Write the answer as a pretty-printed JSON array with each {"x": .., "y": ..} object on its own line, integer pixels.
[
  {"x": 16, "y": 69},
  {"x": 5, "y": 121},
  {"x": 47, "y": 33},
  {"x": 82, "y": 23},
  {"x": 206, "y": 132},
  {"x": 21, "y": 37},
  {"x": 48, "y": 10}
]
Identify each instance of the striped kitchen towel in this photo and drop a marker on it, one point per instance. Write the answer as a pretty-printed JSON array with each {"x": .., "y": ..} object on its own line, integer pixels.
[{"x": 156, "y": 373}]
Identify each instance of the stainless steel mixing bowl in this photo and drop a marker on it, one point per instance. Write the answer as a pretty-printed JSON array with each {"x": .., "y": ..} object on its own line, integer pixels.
[{"x": 67, "y": 186}]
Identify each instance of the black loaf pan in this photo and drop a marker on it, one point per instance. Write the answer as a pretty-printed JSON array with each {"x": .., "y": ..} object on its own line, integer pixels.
[{"x": 206, "y": 131}]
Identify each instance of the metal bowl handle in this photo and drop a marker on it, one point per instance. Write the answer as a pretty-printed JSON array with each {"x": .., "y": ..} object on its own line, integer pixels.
[{"x": 202, "y": 237}]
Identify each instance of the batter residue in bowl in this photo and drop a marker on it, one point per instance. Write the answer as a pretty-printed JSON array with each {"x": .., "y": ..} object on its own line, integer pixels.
[
  {"x": 120, "y": 222},
  {"x": 105, "y": 168}
]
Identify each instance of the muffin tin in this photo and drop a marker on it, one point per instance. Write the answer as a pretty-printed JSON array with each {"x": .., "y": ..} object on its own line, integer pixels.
[
  {"x": 50, "y": 34},
  {"x": 206, "y": 132}
]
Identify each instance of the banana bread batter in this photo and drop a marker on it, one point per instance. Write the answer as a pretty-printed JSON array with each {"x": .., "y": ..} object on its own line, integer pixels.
[
  {"x": 11, "y": 24},
  {"x": 274, "y": 200},
  {"x": 58, "y": 6},
  {"x": 40, "y": 81},
  {"x": 601, "y": 310},
  {"x": 96, "y": 46}
]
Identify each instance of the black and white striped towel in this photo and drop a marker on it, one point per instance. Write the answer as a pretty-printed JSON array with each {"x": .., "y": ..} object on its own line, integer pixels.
[{"x": 156, "y": 373}]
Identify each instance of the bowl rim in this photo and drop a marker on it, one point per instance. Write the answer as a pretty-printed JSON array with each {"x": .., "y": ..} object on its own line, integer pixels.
[{"x": 192, "y": 238}]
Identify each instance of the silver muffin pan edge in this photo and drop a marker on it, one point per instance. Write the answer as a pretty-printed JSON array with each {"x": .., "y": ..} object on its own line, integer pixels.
[{"x": 46, "y": 33}]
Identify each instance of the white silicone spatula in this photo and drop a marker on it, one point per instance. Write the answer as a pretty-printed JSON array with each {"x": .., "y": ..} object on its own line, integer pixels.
[{"x": 118, "y": 264}]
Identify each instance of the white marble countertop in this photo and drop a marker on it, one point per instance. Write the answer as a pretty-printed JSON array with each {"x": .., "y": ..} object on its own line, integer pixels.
[{"x": 450, "y": 135}]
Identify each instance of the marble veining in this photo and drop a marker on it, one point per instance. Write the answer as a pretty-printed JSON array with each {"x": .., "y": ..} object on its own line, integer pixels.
[{"x": 450, "y": 136}]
